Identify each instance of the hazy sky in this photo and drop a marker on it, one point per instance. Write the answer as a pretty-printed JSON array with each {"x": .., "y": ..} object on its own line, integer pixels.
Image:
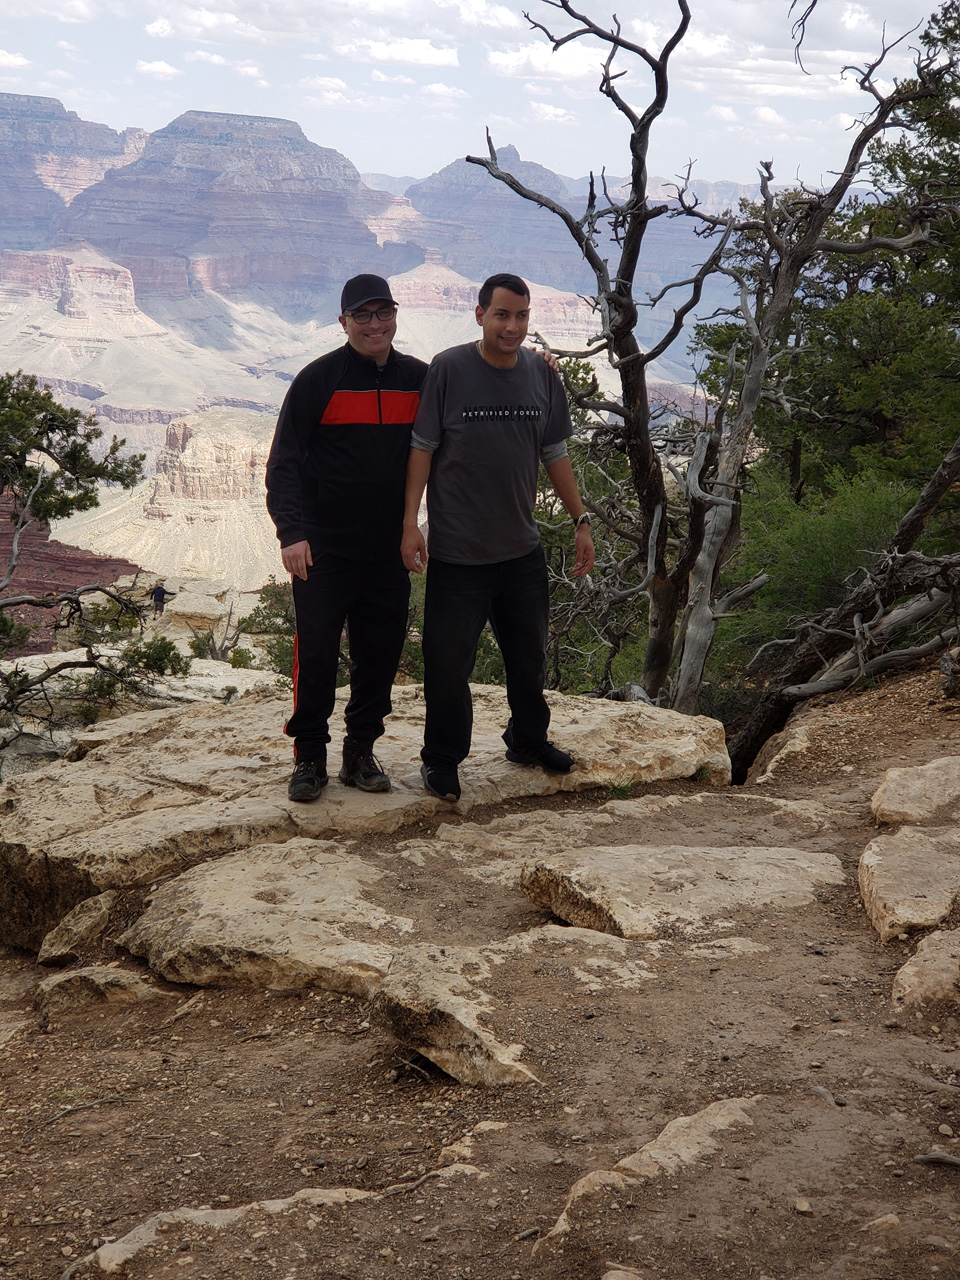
[{"x": 406, "y": 86}]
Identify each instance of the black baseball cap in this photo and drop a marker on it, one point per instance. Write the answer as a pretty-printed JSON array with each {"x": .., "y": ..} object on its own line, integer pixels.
[{"x": 362, "y": 289}]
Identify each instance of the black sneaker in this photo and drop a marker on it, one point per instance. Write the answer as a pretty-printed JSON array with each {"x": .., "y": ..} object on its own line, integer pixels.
[
  {"x": 361, "y": 768},
  {"x": 441, "y": 780},
  {"x": 308, "y": 780},
  {"x": 545, "y": 754}
]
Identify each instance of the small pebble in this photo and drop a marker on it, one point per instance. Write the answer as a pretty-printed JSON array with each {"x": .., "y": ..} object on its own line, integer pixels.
[
  {"x": 946, "y": 1130},
  {"x": 802, "y": 1206}
]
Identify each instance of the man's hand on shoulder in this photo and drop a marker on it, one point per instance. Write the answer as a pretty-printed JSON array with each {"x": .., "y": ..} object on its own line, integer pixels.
[
  {"x": 297, "y": 559},
  {"x": 551, "y": 360}
]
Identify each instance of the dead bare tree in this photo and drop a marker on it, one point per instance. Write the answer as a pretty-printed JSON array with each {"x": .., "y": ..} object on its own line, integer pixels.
[
  {"x": 793, "y": 236},
  {"x": 624, "y": 224}
]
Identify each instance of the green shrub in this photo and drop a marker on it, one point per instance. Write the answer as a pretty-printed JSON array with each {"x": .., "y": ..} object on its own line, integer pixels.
[
  {"x": 157, "y": 656},
  {"x": 241, "y": 658}
]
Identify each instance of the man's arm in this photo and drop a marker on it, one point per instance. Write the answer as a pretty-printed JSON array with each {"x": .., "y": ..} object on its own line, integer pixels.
[
  {"x": 565, "y": 487},
  {"x": 413, "y": 549}
]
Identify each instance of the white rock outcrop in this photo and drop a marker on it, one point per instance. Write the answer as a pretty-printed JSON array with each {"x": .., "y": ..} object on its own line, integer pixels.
[
  {"x": 910, "y": 880},
  {"x": 917, "y": 794},
  {"x": 932, "y": 974},
  {"x": 272, "y": 916},
  {"x": 635, "y": 891},
  {"x": 426, "y": 1003}
]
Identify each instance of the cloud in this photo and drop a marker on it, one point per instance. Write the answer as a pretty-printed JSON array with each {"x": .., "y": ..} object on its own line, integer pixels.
[
  {"x": 549, "y": 114},
  {"x": 418, "y": 52},
  {"x": 727, "y": 114},
  {"x": 201, "y": 55},
  {"x": 68, "y": 11},
  {"x": 11, "y": 60},
  {"x": 444, "y": 92},
  {"x": 854, "y": 16},
  {"x": 242, "y": 68},
  {"x": 378, "y": 77},
  {"x": 204, "y": 24},
  {"x": 59, "y": 75},
  {"x": 537, "y": 61},
  {"x": 767, "y": 115},
  {"x": 333, "y": 83},
  {"x": 159, "y": 70},
  {"x": 480, "y": 13}
]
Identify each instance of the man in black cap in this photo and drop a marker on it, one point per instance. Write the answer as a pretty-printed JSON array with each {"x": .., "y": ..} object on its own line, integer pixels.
[{"x": 335, "y": 486}]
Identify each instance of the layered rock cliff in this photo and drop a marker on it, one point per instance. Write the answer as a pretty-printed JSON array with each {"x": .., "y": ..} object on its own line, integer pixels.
[
  {"x": 257, "y": 204},
  {"x": 48, "y": 155},
  {"x": 202, "y": 513},
  {"x": 480, "y": 226}
]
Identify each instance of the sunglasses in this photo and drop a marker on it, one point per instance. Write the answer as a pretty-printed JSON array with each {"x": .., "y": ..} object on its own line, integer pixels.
[{"x": 364, "y": 317}]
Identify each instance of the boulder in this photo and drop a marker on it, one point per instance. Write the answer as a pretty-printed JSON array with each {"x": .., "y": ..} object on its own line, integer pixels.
[
  {"x": 272, "y": 916},
  {"x": 919, "y": 794},
  {"x": 98, "y": 984},
  {"x": 78, "y": 928},
  {"x": 427, "y": 1003},
  {"x": 777, "y": 750},
  {"x": 932, "y": 974},
  {"x": 639, "y": 891},
  {"x": 23, "y": 752},
  {"x": 909, "y": 880}
]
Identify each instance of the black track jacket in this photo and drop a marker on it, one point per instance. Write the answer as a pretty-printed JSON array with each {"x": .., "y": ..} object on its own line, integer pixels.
[{"x": 338, "y": 463}]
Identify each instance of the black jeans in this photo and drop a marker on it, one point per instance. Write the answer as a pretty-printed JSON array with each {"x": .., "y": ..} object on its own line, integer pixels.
[
  {"x": 460, "y": 598},
  {"x": 371, "y": 597}
]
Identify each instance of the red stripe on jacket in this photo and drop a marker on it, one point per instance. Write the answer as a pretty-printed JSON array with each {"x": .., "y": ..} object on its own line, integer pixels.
[{"x": 371, "y": 408}]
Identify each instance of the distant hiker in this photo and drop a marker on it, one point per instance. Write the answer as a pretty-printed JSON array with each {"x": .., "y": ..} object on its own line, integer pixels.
[
  {"x": 490, "y": 413},
  {"x": 160, "y": 595},
  {"x": 335, "y": 481}
]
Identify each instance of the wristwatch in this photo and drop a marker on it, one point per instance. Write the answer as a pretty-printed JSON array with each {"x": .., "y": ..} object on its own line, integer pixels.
[{"x": 584, "y": 519}]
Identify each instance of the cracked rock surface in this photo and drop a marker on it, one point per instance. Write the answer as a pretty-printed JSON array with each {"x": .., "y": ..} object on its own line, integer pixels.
[{"x": 369, "y": 1053}]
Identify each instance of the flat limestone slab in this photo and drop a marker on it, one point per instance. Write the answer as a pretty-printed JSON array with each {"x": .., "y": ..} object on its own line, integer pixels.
[
  {"x": 272, "y": 916},
  {"x": 920, "y": 794},
  {"x": 909, "y": 880},
  {"x": 932, "y": 974},
  {"x": 146, "y": 795},
  {"x": 634, "y": 891},
  {"x": 499, "y": 850}
]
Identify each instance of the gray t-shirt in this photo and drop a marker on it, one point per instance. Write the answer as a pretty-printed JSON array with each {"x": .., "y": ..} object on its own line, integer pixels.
[{"x": 488, "y": 429}]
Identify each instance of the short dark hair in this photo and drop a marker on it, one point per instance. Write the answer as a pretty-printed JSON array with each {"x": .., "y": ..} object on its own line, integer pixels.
[{"x": 502, "y": 280}]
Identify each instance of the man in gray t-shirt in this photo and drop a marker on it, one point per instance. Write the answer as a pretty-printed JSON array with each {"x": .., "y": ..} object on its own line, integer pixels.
[{"x": 490, "y": 413}]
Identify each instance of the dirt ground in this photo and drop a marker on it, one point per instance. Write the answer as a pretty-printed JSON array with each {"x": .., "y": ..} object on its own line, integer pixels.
[{"x": 231, "y": 1096}]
